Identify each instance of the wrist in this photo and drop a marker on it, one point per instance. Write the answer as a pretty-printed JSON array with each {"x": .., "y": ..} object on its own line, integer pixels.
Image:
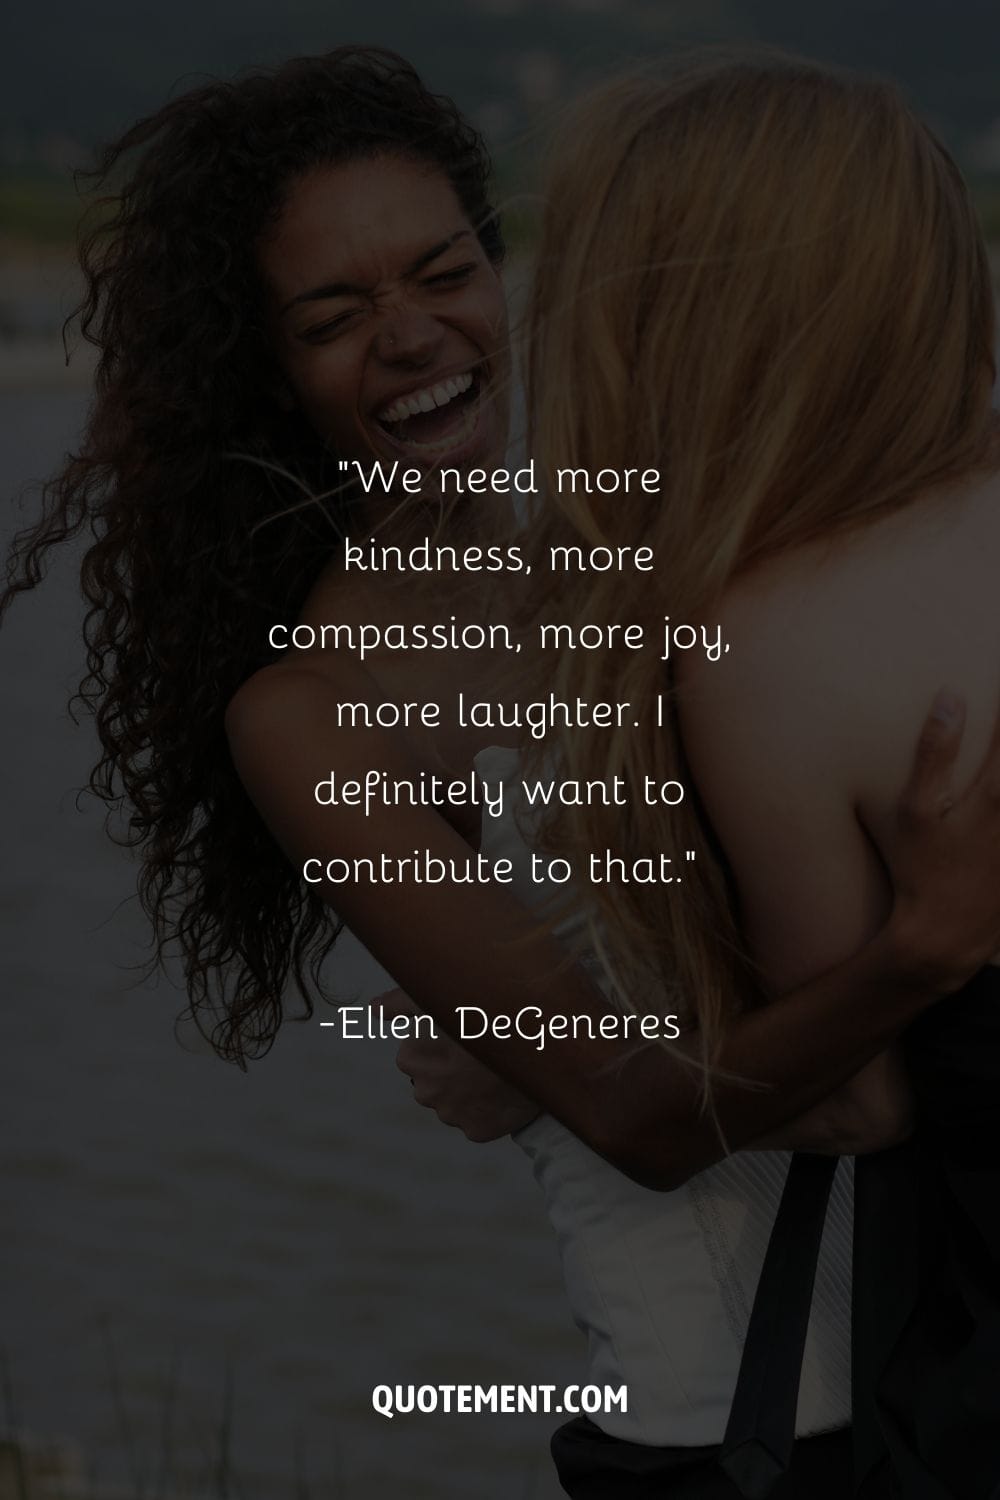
[{"x": 921, "y": 960}]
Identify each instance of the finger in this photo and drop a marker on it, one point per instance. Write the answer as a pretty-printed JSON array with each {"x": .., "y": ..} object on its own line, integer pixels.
[
  {"x": 394, "y": 1003},
  {"x": 424, "y": 1052},
  {"x": 423, "y": 1058},
  {"x": 406, "y": 1059},
  {"x": 990, "y": 768},
  {"x": 936, "y": 752}
]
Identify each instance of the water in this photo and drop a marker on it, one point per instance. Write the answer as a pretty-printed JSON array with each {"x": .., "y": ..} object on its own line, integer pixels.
[{"x": 302, "y": 1231}]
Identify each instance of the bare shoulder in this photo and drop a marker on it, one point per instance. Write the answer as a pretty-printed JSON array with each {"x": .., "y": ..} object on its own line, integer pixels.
[
  {"x": 286, "y": 727},
  {"x": 289, "y": 698},
  {"x": 837, "y": 650},
  {"x": 800, "y": 738}
]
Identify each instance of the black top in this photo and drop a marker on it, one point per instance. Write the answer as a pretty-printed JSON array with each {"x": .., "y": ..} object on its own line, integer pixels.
[{"x": 927, "y": 1268}]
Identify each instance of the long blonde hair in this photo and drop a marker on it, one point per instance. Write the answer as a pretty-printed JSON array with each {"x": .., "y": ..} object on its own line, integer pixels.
[{"x": 765, "y": 280}]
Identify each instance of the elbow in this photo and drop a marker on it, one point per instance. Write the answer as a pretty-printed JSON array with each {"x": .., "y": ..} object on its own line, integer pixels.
[
  {"x": 654, "y": 1136},
  {"x": 658, "y": 1178},
  {"x": 875, "y": 1130},
  {"x": 872, "y": 1112}
]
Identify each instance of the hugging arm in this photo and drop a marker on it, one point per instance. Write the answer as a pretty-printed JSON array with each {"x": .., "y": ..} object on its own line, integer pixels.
[{"x": 458, "y": 945}]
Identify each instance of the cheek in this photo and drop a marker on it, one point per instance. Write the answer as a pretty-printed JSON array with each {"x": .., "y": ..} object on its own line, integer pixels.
[
  {"x": 483, "y": 314},
  {"x": 327, "y": 385}
]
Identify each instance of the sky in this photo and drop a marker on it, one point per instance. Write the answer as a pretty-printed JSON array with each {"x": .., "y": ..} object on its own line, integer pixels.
[{"x": 78, "y": 74}]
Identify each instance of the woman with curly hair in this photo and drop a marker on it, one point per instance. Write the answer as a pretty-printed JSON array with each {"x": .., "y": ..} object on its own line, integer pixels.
[{"x": 239, "y": 364}]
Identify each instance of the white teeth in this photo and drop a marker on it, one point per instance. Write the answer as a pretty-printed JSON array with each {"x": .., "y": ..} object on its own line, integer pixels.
[
  {"x": 427, "y": 399},
  {"x": 467, "y": 425}
]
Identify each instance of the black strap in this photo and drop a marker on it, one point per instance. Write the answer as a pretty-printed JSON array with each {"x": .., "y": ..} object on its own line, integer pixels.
[{"x": 757, "y": 1447}]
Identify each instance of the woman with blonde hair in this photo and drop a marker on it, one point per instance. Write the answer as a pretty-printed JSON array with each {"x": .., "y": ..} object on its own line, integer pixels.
[{"x": 776, "y": 294}]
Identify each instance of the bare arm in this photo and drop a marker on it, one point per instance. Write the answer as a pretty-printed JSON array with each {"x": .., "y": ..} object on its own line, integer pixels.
[
  {"x": 870, "y": 1112},
  {"x": 463, "y": 945}
]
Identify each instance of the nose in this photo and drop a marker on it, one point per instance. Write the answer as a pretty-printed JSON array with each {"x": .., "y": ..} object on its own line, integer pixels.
[{"x": 409, "y": 336}]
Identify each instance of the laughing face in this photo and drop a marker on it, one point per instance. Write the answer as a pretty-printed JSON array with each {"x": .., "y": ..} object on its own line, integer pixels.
[{"x": 388, "y": 318}]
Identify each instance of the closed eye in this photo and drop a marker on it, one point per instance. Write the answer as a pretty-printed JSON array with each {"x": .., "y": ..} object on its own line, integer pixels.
[
  {"x": 319, "y": 332},
  {"x": 456, "y": 276}
]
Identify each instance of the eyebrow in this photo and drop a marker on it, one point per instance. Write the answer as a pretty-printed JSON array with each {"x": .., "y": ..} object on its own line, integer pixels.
[{"x": 347, "y": 289}]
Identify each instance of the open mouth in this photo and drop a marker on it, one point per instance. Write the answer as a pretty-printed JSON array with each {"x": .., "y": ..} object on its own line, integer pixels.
[{"x": 436, "y": 418}]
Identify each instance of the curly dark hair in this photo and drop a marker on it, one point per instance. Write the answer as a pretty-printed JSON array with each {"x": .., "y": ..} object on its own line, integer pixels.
[{"x": 195, "y": 554}]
